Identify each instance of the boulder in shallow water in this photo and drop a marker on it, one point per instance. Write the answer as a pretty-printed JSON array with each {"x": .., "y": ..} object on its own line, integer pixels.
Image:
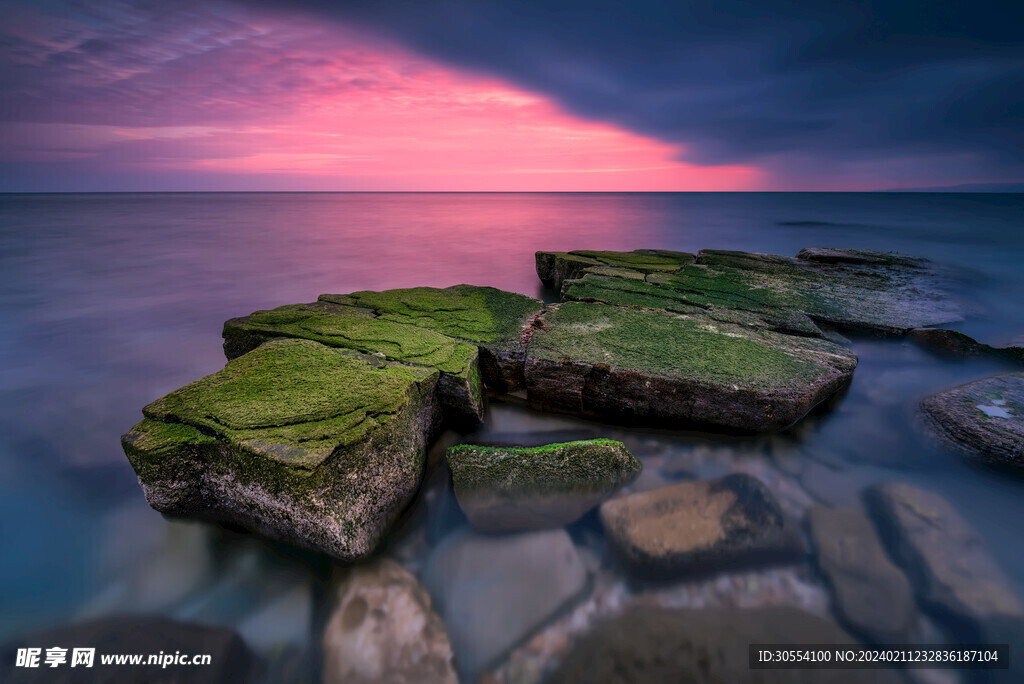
[
  {"x": 493, "y": 592},
  {"x": 703, "y": 646},
  {"x": 383, "y": 629},
  {"x": 507, "y": 489},
  {"x": 311, "y": 445},
  {"x": 676, "y": 371},
  {"x": 949, "y": 566},
  {"x": 872, "y": 596},
  {"x": 699, "y": 527},
  {"x": 955, "y": 344},
  {"x": 984, "y": 419}
]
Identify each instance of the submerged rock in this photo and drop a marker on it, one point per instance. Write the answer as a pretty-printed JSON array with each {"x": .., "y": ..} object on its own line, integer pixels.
[
  {"x": 493, "y": 592},
  {"x": 491, "y": 319},
  {"x": 311, "y": 445},
  {"x": 555, "y": 268},
  {"x": 383, "y": 629},
  {"x": 985, "y": 418},
  {"x": 677, "y": 371},
  {"x": 872, "y": 596},
  {"x": 951, "y": 571},
  {"x": 702, "y": 645},
  {"x": 505, "y": 489},
  {"x": 699, "y": 527}
]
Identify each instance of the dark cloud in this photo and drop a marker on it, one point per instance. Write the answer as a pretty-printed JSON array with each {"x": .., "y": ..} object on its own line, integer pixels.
[{"x": 794, "y": 84}]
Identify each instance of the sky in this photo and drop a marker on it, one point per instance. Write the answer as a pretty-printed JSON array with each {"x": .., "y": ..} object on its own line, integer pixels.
[{"x": 531, "y": 95}]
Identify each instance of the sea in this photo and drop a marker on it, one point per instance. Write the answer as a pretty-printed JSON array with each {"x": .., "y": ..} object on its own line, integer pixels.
[{"x": 109, "y": 301}]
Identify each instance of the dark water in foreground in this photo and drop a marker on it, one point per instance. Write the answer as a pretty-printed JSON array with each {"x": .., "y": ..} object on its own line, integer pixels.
[{"x": 110, "y": 301}]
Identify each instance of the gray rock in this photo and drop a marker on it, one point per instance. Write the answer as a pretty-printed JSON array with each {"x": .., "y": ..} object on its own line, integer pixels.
[
  {"x": 830, "y": 486},
  {"x": 698, "y": 527},
  {"x": 670, "y": 370},
  {"x": 949, "y": 567},
  {"x": 702, "y": 646},
  {"x": 509, "y": 489},
  {"x": 494, "y": 592},
  {"x": 383, "y": 629},
  {"x": 955, "y": 344},
  {"x": 297, "y": 441},
  {"x": 872, "y": 596},
  {"x": 984, "y": 419}
]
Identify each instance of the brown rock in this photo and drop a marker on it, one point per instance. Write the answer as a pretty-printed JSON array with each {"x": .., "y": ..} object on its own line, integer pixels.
[
  {"x": 872, "y": 596},
  {"x": 697, "y": 527},
  {"x": 383, "y": 629}
]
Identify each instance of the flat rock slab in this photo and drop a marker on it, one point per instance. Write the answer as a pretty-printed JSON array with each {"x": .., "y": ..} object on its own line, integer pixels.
[
  {"x": 703, "y": 646},
  {"x": 699, "y": 527},
  {"x": 493, "y": 592},
  {"x": 984, "y": 419},
  {"x": 383, "y": 629},
  {"x": 676, "y": 370},
  {"x": 507, "y": 489},
  {"x": 311, "y": 445},
  {"x": 949, "y": 567},
  {"x": 489, "y": 318},
  {"x": 872, "y": 596},
  {"x": 857, "y": 290},
  {"x": 555, "y": 268}
]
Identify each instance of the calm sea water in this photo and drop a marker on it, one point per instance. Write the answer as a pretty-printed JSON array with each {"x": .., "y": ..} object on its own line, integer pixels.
[{"x": 110, "y": 301}]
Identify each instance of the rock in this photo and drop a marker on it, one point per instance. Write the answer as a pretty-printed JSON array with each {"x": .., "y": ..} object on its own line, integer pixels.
[
  {"x": 984, "y": 419},
  {"x": 507, "y": 489},
  {"x": 495, "y": 321},
  {"x": 872, "y": 596},
  {"x": 669, "y": 370},
  {"x": 554, "y": 268},
  {"x": 696, "y": 527},
  {"x": 314, "y": 446},
  {"x": 702, "y": 645},
  {"x": 494, "y": 592},
  {"x": 355, "y": 328},
  {"x": 830, "y": 486},
  {"x": 383, "y": 629},
  {"x": 955, "y": 344},
  {"x": 230, "y": 658},
  {"x": 948, "y": 565}
]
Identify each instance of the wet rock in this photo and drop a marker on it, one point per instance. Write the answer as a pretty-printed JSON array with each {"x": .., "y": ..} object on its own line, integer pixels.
[
  {"x": 702, "y": 645},
  {"x": 497, "y": 322},
  {"x": 949, "y": 567},
  {"x": 647, "y": 367},
  {"x": 494, "y": 592},
  {"x": 984, "y": 419},
  {"x": 314, "y": 446},
  {"x": 955, "y": 344},
  {"x": 555, "y": 268},
  {"x": 830, "y": 486},
  {"x": 508, "y": 489},
  {"x": 383, "y": 629},
  {"x": 698, "y": 527},
  {"x": 230, "y": 658},
  {"x": 872, "y": 596}
]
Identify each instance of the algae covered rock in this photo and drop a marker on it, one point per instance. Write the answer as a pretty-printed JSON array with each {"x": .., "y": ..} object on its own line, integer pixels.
[
  {"x": 984, "y": 419},
  {"x": 504, "y": 489},
  {"x": 315, "y": 446},
  {"x": 555, "y": 268},
  {"x": 351, "y": 327},
  {"x": 949, "y": 566},
  {"x": 699, "y": 527},
  {"x": 490, "y": 318},
  {"x": 678, "y": 370}
]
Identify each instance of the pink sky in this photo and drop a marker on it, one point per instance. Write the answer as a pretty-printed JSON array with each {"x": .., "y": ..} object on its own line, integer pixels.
[{"x": 296, "y": 104}]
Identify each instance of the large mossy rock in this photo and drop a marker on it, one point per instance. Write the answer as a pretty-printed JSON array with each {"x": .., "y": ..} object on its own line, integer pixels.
[
  {"x": 700, "y": 527},
  {"x": 507, "y": 489},
  {"x": 857, "y": 290},
  {"x": 555, "y": 268},
  {"x": 871, "y": 595},
  {"x": 984, "y": 419},
  {"x": 950, "y": 568},
  {"x": 703, "y": 646},
  {"x": 315, "y": 446},
  {"x": 487, "y": 317},
  {"x": 351, "y": 327},
  {"x": 678, "y": 370}
]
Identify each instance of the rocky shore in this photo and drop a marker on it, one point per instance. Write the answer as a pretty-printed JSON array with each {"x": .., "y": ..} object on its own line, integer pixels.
[{"x": 589, "y": 557}]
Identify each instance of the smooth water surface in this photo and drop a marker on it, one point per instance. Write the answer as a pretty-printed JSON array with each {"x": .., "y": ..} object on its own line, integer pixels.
[{"x": 110, "y": 301}]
